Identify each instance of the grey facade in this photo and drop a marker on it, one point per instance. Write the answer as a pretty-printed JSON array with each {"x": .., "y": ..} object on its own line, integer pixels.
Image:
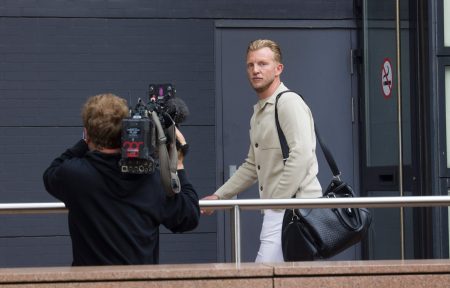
[{"x": 55, "y": 54}]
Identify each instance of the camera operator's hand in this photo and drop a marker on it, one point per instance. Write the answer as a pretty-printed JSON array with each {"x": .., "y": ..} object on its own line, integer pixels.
[
  {"x": 180, "y": 137},
  {"x": 208, "y": 211},
  {"x": 181, "y": 151}
]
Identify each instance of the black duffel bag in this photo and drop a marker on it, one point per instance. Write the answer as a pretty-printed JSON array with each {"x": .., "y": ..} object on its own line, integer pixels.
[{"x": 317, "y": 233}]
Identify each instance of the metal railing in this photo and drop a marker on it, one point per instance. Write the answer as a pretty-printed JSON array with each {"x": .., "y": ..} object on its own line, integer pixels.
[{"x": 257, "y": 204}]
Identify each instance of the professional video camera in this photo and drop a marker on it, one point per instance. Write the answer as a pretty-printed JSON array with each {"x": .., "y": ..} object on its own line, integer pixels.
[{"x": 148, "y": 135}]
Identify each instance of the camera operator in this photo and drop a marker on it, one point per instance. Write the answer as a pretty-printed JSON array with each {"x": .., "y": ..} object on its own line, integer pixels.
[{"x": 114, "y": 217}]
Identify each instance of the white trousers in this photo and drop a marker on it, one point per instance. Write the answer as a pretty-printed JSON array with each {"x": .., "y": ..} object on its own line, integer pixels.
[{"x": 270, "y": 247}]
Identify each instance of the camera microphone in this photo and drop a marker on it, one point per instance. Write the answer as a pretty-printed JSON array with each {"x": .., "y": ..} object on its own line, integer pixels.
[{"x": 177, "y": 109}]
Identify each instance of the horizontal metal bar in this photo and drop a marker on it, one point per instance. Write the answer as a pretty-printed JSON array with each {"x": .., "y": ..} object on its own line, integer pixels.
[
  {"x": 32, "y": 208},
  {"x": 368, "y": 202},
  {"x": 256, "y": 204}
]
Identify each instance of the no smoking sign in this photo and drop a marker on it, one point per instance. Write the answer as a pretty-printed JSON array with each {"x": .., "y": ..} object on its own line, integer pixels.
[{"x": 386, "y": 78}]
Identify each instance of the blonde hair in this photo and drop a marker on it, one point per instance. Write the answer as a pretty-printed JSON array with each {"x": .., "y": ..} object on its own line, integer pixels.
[
  {"x": 263, "y": 43},
  {"x": 102, "y": 117}
]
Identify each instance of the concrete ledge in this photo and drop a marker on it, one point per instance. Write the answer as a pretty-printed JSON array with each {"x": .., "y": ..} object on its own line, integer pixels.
[
  {"x": 195, "y": 275},
  {"x": 362, "y": 267},
  {"x": 409, "y": 273},
  {"x": 392, "y": 274}
]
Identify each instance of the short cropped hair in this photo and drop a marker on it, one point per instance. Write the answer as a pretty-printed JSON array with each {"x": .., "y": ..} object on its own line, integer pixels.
[
  {"x": 102, "y": 117},
  {"x": 263, "y": 43}
]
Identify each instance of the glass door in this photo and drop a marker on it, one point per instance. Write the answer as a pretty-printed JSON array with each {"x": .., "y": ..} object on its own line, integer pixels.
[{"x": 387, "y": 136}]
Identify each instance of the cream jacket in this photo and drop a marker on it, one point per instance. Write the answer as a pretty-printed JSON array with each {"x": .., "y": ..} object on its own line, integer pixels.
[{"x": 264, "y": 162}]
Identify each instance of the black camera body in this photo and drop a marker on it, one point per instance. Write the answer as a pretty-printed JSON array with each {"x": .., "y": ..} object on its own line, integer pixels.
[{"x": 139, "y": 143}]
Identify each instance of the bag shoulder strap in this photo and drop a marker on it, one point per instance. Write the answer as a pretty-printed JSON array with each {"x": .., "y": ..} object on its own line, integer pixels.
[
  {"x": 167, "y": 158},
  {"x": 285, "y": 148}
]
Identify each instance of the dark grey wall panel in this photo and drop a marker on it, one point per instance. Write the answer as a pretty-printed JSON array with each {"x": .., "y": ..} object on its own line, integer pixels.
[
  {"x": 191, "y": 249},
  {"x": 26, "y": 152},
  {"x": 50, "y": 66},
  {"x": 35, "y": 251},
  {"x": 37, "y": 225},
  {"x": 57, "y": 251},
  {"x": 244, "y": 9}
]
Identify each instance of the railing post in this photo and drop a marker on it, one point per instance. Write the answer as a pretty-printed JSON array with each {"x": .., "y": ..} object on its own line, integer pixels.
[
  {"x": 399, "y": 124},
  {"x": 236, "y": 235}
]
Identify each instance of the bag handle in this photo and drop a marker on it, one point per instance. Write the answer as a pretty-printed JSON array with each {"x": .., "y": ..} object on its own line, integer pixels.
[
  {"x": 285, "y": 148},
  {"x": 167, "y": 158}
]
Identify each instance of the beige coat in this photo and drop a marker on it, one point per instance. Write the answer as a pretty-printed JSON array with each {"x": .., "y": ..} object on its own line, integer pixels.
[{"x": 265, "y": 162}]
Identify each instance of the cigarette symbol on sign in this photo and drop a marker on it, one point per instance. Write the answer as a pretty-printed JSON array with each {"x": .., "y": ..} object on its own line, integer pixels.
[
  {"x": 386, "y": 78},
  {"x": 386, "y": 75}
]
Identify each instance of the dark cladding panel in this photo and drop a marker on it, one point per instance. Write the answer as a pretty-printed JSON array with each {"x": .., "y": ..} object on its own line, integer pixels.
[
  {"x": 50, "y": 66},
  {"x": 26, "y": 152},
  {"x": 56, "y": 250},
  {"x": 35, "y": 251},
  {"x": 188, "y": 248},
  {"x": 218, "y": 9}
]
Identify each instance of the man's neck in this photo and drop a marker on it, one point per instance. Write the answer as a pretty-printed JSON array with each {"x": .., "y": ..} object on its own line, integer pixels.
[
  {"x": 270, "y": 90},
  {"x": 109, "y": 150},
  {"x": 92, "y": 147}
]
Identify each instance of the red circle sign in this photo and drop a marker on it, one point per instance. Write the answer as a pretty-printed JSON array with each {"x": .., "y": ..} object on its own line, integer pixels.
[{"x": 387, "y": 78}]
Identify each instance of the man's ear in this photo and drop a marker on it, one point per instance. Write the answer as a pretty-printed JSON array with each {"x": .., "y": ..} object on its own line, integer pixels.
[
  {"x": 279, "y": 69},
  {"x": 85, "y": 135}
]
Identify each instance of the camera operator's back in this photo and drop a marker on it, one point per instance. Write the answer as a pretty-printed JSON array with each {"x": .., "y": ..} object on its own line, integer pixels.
[{"x": 114, "y": 217}]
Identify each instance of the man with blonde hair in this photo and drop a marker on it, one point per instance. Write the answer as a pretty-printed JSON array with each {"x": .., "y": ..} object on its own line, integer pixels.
[
  {"x": 114, "y": 217},
  {"x": 277, "y": 177}
]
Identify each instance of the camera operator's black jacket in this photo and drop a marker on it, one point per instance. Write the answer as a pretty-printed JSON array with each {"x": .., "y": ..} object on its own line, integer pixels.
[{"x": 114, "y": 217}]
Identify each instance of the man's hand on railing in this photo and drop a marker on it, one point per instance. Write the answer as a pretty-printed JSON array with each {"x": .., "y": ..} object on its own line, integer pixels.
[{"x": 209, "y": 211}]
